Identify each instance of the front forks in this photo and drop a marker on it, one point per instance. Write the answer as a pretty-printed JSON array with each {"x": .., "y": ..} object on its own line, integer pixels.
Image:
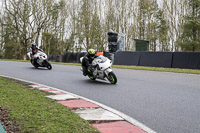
[{"x": 107, "y": 71}]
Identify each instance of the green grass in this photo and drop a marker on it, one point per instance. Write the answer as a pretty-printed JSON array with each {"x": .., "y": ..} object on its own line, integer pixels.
[
  {"x": 176, "y": 70},
  {"x": 34, "y": 113},
  {"x": 15, "y": 60}
]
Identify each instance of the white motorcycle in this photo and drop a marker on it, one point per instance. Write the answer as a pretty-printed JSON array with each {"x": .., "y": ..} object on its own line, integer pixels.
[
  {"x": 102, "y": 69},
  {"x": 40, "y": 59}
]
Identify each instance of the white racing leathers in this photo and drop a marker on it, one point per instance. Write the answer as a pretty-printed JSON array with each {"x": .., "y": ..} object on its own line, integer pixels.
[{"x": 39, "y": 59}]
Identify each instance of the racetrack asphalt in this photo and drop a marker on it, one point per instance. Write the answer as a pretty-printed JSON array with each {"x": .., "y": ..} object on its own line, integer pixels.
[{"x": 165, "y": 102}]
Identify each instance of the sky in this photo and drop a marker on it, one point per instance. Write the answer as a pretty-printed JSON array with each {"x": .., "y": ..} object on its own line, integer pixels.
[{"x": 160, "y": 3}]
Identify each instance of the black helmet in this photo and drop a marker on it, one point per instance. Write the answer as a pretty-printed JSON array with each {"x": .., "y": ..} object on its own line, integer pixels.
[
  {"x": 33, "y": 45},
  {"x": 91, "y": 53}
]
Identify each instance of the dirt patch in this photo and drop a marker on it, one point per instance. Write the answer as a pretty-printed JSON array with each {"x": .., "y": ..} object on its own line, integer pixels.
[
  {"x": 7, "y": 123},
  {"x": 20, "y": 82}
]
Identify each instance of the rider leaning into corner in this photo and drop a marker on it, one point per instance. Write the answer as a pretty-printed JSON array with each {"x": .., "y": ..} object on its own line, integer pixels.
[
  {"x": 87, "y": 61},
  {"x": 34, "y": 50}
]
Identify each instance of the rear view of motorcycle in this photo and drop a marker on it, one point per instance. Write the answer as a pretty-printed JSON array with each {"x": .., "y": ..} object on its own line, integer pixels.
[
  {"x": 40, "y": 59},
  {"x": 101, "y": 68}
]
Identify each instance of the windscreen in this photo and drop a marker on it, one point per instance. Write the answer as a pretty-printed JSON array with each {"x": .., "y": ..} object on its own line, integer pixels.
[{"x": 100, "y": 59}]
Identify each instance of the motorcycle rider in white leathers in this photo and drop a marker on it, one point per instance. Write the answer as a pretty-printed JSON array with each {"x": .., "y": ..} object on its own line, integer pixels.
[{"x": 34, "y": 50}]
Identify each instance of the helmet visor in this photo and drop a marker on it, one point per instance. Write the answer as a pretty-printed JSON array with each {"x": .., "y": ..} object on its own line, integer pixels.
[
  {"x": 92, "y": 56},
  {"x": 33, "y": 46}
]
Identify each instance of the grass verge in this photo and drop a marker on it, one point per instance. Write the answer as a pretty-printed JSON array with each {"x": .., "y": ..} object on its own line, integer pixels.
[
  {"x": 32, "y": 112},
  {"x": 176, "y": 70},
  {"x": 15, "y": 60}
]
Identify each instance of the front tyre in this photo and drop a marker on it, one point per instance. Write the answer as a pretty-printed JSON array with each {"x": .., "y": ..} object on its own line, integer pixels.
[
  {"x": 112, "y": 78},
  {"x": 91, "y": 77},
  {"x": 49, "y": 66}
]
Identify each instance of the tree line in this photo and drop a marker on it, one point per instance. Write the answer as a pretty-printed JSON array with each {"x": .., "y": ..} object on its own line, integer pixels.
[{"x": 60, "y": 26}]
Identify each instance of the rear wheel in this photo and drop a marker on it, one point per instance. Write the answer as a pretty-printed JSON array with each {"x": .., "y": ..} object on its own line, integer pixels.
[
  {"x": 36, "y": 66},
  {"x": 112, "y": 78}
]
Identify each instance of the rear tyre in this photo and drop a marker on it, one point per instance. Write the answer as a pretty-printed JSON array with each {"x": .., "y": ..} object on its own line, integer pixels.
[
  {"x": 112, "y": 78},
  {"x": 35, "y": 66}
]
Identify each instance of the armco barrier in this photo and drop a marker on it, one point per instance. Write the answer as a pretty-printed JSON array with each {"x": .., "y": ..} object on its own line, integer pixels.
[
  {"x": 127, "y": 58},
  {"x": 188, "y": 60},
  {"x": 156, "y": 59}
]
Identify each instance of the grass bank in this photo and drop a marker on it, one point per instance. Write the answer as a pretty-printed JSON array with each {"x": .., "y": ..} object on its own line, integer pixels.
[
  {"x": 32, "y": 112},
  {"x": 176, "y": 70}
]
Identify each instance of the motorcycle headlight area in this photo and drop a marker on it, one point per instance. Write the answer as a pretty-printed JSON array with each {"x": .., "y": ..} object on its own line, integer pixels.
[
  {"x": 42, "y": 57},
  {"x": 94, "y": 63}
]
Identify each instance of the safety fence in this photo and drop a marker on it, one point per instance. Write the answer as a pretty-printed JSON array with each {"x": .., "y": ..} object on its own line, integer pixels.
[
  {"x": 187, "y": 60},
  {"x": 69, "y": 57}
]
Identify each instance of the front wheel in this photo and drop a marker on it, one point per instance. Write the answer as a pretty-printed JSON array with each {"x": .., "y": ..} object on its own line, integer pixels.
[
  {"x": 91, "y": 77},
  {"x": 49, "y": 66},
  {"x": 112, "y": 78}
]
